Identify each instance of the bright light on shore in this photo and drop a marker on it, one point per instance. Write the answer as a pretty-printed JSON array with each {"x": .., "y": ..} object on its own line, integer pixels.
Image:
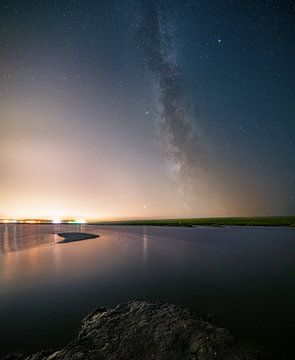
[
  {"x": 56, "y": 221},
  {"x": 78, "y": 221}
]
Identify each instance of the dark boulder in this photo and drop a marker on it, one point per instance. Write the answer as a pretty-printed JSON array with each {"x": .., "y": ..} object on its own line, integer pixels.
[{"x": 145, "y": 331}]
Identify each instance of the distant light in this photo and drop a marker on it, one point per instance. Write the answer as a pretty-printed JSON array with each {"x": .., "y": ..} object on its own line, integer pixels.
[
  {"x": 6, "y": 221},
  {"x": 80, "y": 221},
  {"x": 219, "y": 40},
  {"x": 56, "y": 221}
]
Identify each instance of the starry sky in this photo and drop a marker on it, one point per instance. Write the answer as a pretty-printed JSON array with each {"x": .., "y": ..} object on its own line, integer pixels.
[{"x": 147, "y": 109}]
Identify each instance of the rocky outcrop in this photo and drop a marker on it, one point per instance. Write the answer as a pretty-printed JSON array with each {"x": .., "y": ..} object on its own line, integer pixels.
[{"x": 147, "y": 331}]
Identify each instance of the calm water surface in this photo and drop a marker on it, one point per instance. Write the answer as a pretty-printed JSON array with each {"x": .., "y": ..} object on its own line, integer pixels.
[{"x": 243, "y": 276}]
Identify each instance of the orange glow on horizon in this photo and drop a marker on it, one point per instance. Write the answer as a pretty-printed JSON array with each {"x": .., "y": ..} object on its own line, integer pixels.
[{"x": 44, "y": 220}]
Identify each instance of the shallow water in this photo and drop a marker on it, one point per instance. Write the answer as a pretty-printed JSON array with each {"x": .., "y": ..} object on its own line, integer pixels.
[{"x": 243, "y": 276}]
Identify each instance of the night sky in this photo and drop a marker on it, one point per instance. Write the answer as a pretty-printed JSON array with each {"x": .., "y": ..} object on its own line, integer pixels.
[{"x": 147, "y": 109}]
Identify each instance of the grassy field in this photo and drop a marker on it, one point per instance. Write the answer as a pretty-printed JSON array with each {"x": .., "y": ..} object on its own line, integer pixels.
[{"x": 238, "y": 221}]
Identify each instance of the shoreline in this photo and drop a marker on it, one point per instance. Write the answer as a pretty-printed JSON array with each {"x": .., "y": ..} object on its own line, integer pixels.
[
  {"x": 275, "y": 221},
  {"x": 288, "y": 221}
]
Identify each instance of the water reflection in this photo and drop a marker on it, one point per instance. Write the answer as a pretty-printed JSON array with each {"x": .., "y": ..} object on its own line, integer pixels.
[
  {"x": 14, "y": 237},
  {"x": 5, "y": 247},
  {"x": 144, "y": 248},
  {"x": 230, "y": 272}
]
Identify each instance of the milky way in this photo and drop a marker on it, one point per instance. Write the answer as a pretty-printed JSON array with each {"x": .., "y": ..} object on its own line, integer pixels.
[
  {"x": 181, "y": 144},
  {"x": 97, "y": 104}
]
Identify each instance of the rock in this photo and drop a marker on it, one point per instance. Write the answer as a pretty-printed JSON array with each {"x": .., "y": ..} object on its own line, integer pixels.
[{"x": 147, "y": 331}]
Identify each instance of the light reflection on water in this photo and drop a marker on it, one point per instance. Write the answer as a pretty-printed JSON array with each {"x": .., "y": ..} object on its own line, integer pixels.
[
  {"x": 244, "y": 277},
  {"x": 144, "y": 248},
  {"x": 15, "y": 237}
]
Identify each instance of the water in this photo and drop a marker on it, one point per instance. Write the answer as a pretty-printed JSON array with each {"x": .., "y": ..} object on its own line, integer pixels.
[{"x": 243, "y": 276}]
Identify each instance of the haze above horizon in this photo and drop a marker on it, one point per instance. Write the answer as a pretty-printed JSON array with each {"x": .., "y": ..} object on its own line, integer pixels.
[{"x": 133, "y": 109}]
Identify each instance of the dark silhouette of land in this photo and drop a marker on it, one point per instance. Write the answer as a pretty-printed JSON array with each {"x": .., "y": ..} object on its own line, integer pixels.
[
  {"x": 147, "y": 330},
  {"x": 216, "y": 221},
  {"x": 75, "y": 236}
]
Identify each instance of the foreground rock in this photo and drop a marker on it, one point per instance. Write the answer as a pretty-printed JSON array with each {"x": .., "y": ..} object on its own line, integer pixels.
[
  {"x": 147, "y": 330},
  {"x": 75, "y": 236}
]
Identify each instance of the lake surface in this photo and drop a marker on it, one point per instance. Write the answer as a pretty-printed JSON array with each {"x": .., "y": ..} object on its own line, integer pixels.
[{"x": 243, "y": 276}]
